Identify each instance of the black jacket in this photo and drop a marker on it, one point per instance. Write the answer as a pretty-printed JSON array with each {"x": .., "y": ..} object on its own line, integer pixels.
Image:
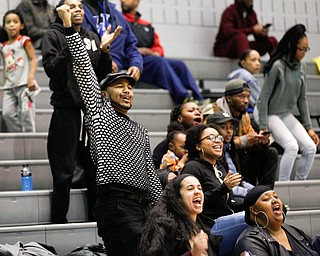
[
  {"x": 57, "y": 62},
  {"x": 258, "y": 241},
  {"x": 217, "y": 196}
]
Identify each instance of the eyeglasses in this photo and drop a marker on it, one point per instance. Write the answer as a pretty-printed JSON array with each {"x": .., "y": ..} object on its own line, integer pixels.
[
  {"x": 303, "y": 50},
  {"x": 213, "y": 138}
]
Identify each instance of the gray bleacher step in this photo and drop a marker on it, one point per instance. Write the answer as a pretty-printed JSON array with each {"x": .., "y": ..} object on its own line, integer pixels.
[
  {"x": 155, "y": 120},
  {"x": 299, "y": 195},
  {"x": 28, "y": 146},
  {"x": 40, "y": 76},
  {"x": 143, "y": 99},
  {"x": 158, "y": 119},
  {"x": 314, "y": 172},
  {"x": 306, "y": 220},
  {"x": 33, "y": 207},
  {"x": 218, "y": 85},
  {"x": 63, "y": 237},
  {"x": 23, "y": 146},
  {"x": 202, "y": 68},
  {"x": 211, "y": 68},
  {"x": 10, "y": 174},
  {"x": 66, "y": 237}
]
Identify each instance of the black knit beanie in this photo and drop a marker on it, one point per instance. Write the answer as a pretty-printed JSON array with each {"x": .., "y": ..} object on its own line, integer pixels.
[{"x": 251, "y": 198}]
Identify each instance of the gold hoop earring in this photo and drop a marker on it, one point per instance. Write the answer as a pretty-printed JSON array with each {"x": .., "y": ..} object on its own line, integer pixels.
[{"x": 267, "y": 218}]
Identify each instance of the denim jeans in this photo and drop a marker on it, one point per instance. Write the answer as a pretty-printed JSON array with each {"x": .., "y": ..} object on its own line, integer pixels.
[
  {"x": 230, "y": 227},
  {"x": 120, "y": 222},
  {"x": 289, "y": 133}
]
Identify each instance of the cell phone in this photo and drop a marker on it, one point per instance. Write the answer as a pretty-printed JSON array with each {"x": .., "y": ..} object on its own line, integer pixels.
[
  {"x": 266, "y": 133},
  {"x": 267, "y": 25}
]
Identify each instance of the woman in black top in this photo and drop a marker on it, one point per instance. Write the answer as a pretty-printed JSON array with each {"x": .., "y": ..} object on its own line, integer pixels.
[
  {"x": 267, "y": 233},
  {"x": 173, "y": 227}
]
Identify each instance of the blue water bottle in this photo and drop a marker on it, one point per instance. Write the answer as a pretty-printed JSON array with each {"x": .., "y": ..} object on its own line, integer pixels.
[{"x": 26, "y": 178}]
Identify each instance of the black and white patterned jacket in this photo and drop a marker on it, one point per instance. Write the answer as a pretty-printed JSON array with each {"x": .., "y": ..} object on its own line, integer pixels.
[{"x": 120, "y": 147}]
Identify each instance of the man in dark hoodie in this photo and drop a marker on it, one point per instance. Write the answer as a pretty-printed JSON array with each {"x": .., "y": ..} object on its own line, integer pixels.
[
  {"x": 239, "y": 21},
  {"x": 67, "y": 139},
  {"x": 99, "y": 14}
]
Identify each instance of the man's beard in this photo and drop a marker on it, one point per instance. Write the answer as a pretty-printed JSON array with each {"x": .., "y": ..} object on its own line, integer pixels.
[{"x": 243, "y": 111}]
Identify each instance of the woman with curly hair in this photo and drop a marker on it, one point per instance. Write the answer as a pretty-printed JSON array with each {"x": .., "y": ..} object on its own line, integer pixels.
[
  {"x": 173, "y": 227},
  {"x": 284, "y": 89},
  {"x": 205, "y": 147}
]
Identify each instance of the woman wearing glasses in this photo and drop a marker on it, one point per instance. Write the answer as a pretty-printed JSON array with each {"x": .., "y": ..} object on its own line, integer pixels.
[
  {"x": 284, "y": 89},
  {"x": 205, "y": 147}
]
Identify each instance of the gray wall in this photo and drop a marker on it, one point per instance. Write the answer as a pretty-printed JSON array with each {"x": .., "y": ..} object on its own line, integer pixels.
[{"x": 187, "y": 28}]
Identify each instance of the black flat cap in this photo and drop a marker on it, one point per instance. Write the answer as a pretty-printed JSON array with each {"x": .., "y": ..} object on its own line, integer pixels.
[{"x": 110, "y": 78}]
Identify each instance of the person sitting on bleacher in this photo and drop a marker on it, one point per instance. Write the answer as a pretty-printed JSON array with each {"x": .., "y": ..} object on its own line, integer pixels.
[
  {"x": 267, "y": 233},
  {"x": 258, "y": 161},
  {"x": 249, "y": 66},
  {"x": 205, "y": 147},
  {"x": 239, "y": 21},
  {"x": 176, "y": 156},
  {"x": 169, "y": 74},
  {"x": 230, "y": 160},
  {"x": 284, "y": 89},
  {"x": 98, "y": 15},
  {"x": 182, "y": 117},
  {"x": 38, "y": 17}
]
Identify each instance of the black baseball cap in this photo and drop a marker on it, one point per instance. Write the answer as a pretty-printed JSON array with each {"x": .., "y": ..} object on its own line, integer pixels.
[
  {"x": 235, "y": 86},
  {"x": 221, "y": 118}
]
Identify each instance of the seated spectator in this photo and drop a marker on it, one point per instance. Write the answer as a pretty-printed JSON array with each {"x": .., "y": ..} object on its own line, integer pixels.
[
  {"x": 239, "y": 21},
  {"x": 205, "y": 147},
  {"x": 169, "y": 74},
  {"x": 230, "y": 161},
  {"x": 249, "y": 66},
  {"x": 182, "y": 117},
  {"x": 173, "y": 227},
  {"x": 258, "y": 161},
  {"x": 267, "y": 233},
  {"x": 98, "y": 15},
  {"x": 284, "y": 89},
  {"x": 38, "y": 17},
  {"x": 173, "y": 161},
  {"x": 176, "y": 156}
]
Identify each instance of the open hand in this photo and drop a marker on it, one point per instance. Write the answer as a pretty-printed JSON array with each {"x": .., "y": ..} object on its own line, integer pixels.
[{"x": 108, "y": 38}]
